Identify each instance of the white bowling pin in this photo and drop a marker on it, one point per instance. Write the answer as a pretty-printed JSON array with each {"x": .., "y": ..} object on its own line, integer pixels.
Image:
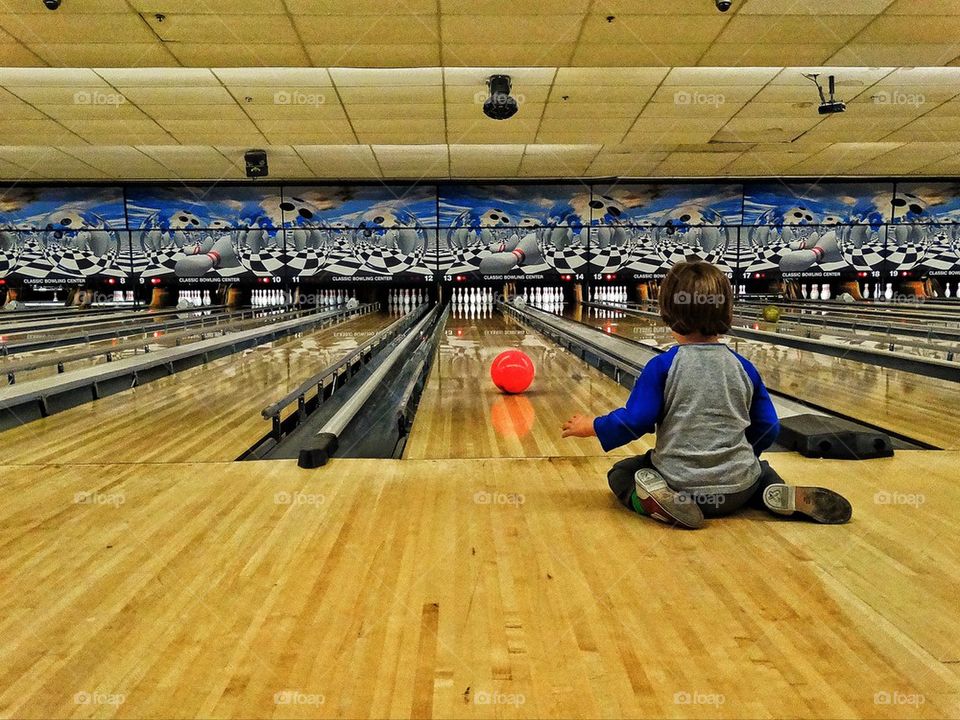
[
  {"x": 947, "y": 292},
  {"x": 825, "y": 292},
  {"x": 888, "y": 293},
  {"x": 815, "y": 293}
]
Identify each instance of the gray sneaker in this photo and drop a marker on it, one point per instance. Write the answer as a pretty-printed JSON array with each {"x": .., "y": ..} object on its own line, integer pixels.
[
  {"x": 819, "y": 504},
  {"x": 662, "y": 503}
]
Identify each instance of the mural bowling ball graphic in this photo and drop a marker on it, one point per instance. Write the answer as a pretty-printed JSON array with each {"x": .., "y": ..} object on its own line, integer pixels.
[
  {"x": 478, "y": 228},
  {"x": 389, "y": 239},
  {"x": 78, "y": 242},
  {"x": 691, "y": 232}
]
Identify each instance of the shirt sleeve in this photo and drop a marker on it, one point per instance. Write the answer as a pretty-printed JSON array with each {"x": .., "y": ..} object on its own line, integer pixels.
[
  {"x": 764, "y": 423},
  {"x": 643, "y": 409}
]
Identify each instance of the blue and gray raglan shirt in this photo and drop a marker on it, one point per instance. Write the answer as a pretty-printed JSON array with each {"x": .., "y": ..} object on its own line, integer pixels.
[{"x": 712, "y": 414}]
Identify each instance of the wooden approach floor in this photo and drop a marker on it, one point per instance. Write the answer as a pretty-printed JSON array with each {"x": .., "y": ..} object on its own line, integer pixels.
[{"x": 488, "y": 588}]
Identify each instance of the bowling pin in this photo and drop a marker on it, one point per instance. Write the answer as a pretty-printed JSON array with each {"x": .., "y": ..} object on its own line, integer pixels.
[
  {"x": 825, "y": 292},
  {"x": 815, "y": 293},
  {"x": 825, "y": 250},
  {"x": 866, "y": 291},
  {"x": 804, "y": 291},
  {"x": 888, "y": 293},
  {"x": 947, "y": 292}
]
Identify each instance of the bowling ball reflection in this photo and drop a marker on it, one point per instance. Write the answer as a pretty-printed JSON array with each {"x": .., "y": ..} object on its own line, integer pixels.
[{"x": 512, "y": 416}]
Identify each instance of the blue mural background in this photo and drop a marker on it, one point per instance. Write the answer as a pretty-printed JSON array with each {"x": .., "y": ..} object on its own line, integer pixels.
[{"x": 330, "y": 233}]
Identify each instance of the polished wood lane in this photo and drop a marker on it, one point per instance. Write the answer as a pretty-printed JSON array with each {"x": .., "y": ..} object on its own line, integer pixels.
[
  {"x": 206, "y": 413},
  {"x": 509, "y": 588},
  {"x": 913, "y": 405},
  {"x": 463, "y": 415},
  {"x": 127, "y": 346}
]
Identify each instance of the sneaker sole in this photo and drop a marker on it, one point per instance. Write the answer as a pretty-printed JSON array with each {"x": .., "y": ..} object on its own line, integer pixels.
[
  {"x": 819, "y": 504},
  {"x": 685, "y": 513}
]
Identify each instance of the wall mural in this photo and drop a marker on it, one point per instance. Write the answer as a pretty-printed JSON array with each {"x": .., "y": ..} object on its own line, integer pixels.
[
  {"x": 805, "y": 228},
  {"x": 512, "y": 230},
  {"x": 222, "y": 232},
  {"x": 632, "y": 229},
  {"x": 927, "y": 215},
  {"x": 360, "y": 231},
  {"x": 663, "y": 224},
  {"x": 63, "y": 233}
]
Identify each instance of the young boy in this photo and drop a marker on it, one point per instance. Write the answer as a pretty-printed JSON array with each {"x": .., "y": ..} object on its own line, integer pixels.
[{"x": 712, "y": 415}]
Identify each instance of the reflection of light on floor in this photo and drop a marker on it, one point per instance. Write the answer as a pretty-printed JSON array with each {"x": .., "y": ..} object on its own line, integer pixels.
[{"x": 512, "y": 416}]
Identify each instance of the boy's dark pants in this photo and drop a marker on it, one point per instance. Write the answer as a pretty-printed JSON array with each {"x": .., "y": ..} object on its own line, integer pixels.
[{"x": 622, "y": 483}]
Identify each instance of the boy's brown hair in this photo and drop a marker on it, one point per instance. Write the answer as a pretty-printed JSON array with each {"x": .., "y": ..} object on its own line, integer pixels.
[{"x": 696, "y": 297}]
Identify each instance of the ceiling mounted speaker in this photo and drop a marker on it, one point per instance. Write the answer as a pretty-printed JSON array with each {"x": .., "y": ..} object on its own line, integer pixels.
[{"x": 500, "y": 105}]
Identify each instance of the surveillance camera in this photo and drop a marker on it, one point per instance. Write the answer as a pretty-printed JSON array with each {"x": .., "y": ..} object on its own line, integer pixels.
[
  {"x": 256, "y": 163},
  {"x": 51, "y": 4},
  {"x": 500, "y": 105},
  {"x": 723, "y": 5}
]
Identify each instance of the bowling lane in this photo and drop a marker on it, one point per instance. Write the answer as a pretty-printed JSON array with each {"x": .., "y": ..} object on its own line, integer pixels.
[
  {"x": 907, "y": 403},
  {"x": 905, "y": 314},
  {"x": 126, "y": 346},
  {"x": 821, "y": 329},
  {"x": 462, "y": 415},
  {"x": 208, "y": 413}
]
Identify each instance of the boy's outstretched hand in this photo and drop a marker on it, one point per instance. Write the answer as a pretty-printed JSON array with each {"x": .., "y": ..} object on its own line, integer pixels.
[{"x": 578, "y": 426}]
